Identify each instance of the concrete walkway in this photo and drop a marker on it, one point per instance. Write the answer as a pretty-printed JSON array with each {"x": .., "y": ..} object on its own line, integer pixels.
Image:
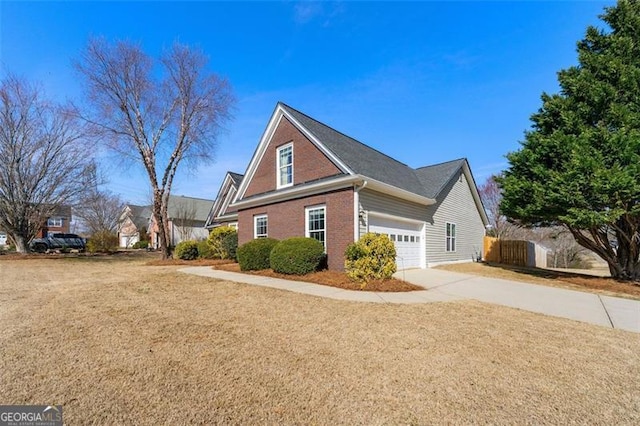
[{"x": 444, "y": 286}]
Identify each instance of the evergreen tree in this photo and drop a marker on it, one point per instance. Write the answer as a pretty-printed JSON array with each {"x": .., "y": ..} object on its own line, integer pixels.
[{"x": 579, "y": 165}]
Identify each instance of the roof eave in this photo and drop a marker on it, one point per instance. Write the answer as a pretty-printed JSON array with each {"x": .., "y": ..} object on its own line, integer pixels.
[
  {"x": 397, "y": 192},
  {"x": 297, "y": 192}
]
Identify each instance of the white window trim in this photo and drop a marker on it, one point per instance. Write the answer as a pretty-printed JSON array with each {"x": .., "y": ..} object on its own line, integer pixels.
[
  {"x": 453, "y": 238},
  {"x": 255, "y": 226},
  {"x": 55, "y": 222},
  {"x": 307, "y": 232},
  {"x": 278, "y": 166}
]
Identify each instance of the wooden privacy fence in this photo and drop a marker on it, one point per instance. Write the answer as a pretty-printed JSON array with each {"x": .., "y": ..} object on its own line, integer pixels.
[{"x": 514, "y": 252}]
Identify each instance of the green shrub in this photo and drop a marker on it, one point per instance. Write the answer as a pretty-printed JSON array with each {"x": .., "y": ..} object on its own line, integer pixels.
[
  {"x": 141, "y": 245},
  {"x": 373, "y": 257},
  {"x": 205, "y": 251},
  {"x": 217, "y": 238},
  {"x": 102, "y": 242},
  {"x": 186, "y": 250},
  {"x": 230, "y": 245},
  {"x": 297, "y": 256},
  {"x": 254, "y": 255}
]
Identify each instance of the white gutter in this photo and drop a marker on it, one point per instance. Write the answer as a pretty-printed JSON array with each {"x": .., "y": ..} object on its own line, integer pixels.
[
  {"x": 356, "y": 209},
  {"x": 329, "y": 185}
]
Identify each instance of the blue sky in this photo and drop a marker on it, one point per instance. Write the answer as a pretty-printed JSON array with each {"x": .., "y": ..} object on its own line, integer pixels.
[{"x": 424, "y": 82}]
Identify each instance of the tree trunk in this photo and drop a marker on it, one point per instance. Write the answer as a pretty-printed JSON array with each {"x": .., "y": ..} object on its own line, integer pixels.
[
  {"x": 158, "y": 216},
  {"x": 21, "y": 244}
]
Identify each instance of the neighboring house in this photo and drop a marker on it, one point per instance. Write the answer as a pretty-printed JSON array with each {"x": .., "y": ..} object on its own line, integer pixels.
[
  {"x": 58, "y": 222},
  {"x": 221, "y": 214},
  {"x": 187, "y": 217},
  {"x": 307, "y": 179},
  {"x": 133, "y": 224}
]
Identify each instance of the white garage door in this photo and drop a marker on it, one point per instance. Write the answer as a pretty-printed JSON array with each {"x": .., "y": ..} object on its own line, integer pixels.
[{"x": 406, "y": 236}]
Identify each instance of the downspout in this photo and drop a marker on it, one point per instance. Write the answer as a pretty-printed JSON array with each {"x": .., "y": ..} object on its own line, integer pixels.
[{"x": 356, "y": 209}]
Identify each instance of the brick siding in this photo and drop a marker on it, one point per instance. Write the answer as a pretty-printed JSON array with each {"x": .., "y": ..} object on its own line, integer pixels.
[
  {"x": 309, "y": 163},
  {"x": 287, "y": 219}
]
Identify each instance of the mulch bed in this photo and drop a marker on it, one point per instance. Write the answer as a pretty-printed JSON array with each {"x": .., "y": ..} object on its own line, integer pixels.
[{"x": 331, "y": 279}]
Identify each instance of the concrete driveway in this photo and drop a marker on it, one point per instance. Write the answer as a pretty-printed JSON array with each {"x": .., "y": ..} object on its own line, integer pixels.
[
  {"x": 443, "y": 286},
  {"x": 592, "y": 308}
]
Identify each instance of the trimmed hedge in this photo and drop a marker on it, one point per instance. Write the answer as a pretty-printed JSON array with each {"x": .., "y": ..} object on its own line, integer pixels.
[
  {"x": 102, "y": 242},
  {"x": 186, "y": 250},
  {"x": 254, "y": 255},
  {"x": 230, "y": 246},
  {"x": 297, "y": 256},
  {"x": 373, "y": 257},
  {"x": 141, "y": 245},
  {"x": 205, "y": 251},
  {"x": 221, "y": 242}
]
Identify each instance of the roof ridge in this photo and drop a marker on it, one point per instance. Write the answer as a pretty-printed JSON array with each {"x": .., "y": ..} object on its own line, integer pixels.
[
  {"x": 193, "y": 198},
  {"x": 345, "y": 135},
  {"x": 442, "y": 163}
]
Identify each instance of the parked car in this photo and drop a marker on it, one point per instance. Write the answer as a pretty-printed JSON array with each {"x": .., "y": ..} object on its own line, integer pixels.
[
  {"x": 3, "y": 239},
  {"x": 58, "y": 242}
]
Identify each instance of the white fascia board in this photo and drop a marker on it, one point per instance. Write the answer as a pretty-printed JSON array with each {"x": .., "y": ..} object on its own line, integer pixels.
[
  {"x": 298, "y": 191},
  {"x": 343, "y": 167},
  {"x": 399, "y": 193},
  {"x": 474, "y": 192},
  {"x": 260, "y": 150}
]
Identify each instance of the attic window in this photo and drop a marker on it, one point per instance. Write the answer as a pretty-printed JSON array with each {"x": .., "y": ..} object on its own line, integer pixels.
[{"x": 285, "y": 166}]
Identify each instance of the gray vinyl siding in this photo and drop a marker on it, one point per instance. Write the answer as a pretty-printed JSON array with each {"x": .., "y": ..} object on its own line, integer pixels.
[
  {"x": 382, "y": 203},
  {"x": 455, "y": 205}
]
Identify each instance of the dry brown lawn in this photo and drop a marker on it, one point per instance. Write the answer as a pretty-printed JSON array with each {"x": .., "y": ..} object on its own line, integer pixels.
[
  {"x": 118, "y": 342},
  {"x": 554, "y": 278}
]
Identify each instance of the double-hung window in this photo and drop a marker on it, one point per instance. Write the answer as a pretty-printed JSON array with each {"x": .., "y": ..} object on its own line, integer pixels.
[
  {"x": 54, "y": 222},
  {"x": 285, "y": 165},
  {"x": 451, "y": 236},
  {"x": 316, "y": 224},
  {"x": 260, "y": 229}
]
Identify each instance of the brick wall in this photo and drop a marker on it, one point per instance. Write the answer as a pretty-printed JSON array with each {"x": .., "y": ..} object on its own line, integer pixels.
[
  {"x": 309, "y": 163},
  {"x": 287, "y": 219}
]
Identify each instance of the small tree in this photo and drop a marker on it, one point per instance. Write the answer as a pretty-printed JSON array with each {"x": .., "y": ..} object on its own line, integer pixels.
[
  {"x": 44, "y": 160},
  {"x": 157, "y": 118},
  {"x": 579, "y": 166}
]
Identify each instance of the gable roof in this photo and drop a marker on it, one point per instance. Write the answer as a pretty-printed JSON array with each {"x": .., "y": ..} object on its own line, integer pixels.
[
  {"x": 360, "y": 158},
  {"x": 435, "y": 177},
  {"x": 196, "y": 209},
  {"x": 359, "y": 162},
  {"x": 139, "y": 215},
  {"x": 226, "y": 194}
]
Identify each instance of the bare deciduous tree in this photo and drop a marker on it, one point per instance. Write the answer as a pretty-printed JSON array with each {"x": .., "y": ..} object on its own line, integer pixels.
[
  {"x": 500, "y": 226},
  {"x": 159, "y": 118},
  {"x": 45, "y": 161},
  {"x": 99, "y": 211},
  {"x": 184, "y": 218}
]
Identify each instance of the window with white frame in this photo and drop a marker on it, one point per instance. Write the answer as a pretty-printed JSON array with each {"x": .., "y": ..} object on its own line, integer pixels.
[
  {"x": 260, "y": 226},
  {"x": 54, "y": 222},
  {"x": 316, "y": 224},
  {"x": 285, "y": 165},
  {"x": 451, "y": 236}
]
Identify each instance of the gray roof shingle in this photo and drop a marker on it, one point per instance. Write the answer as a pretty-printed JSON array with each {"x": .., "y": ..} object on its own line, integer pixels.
[{"x": 366, "y": 161}]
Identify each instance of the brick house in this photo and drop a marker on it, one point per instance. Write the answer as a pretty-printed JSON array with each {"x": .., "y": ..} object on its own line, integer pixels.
[
  {"x": 307, "y": 179},
  {"x": 133, "y": 224},
  {"x": 58, "y": 222}
]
